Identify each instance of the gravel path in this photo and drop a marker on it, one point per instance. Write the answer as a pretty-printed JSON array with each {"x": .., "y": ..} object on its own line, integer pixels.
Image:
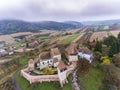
[{"x": 75, "y": 83}]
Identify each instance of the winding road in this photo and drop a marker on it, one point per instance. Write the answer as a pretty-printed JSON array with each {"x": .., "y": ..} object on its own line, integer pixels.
[{"x": 17, "y": 87}]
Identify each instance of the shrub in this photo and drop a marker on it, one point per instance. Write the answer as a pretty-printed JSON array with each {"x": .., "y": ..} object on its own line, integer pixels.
[
  {"x": 48, "y": 71},
  {"x": 105, "y": 60}
]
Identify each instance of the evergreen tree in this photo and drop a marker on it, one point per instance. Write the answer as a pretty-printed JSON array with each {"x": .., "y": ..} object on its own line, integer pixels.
[
  {"x": 110, "y": 39},
  {"x": 113, "y": 49},
  {"x": 98, "y": 46},
  {"x": 118, "y": 36}
]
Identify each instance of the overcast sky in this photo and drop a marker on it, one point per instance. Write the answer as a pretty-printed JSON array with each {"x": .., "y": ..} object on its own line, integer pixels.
[{"x": 60, "y": 10}]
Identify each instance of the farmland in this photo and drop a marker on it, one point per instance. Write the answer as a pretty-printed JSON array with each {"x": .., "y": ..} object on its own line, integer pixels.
[
  {"x": 69, "y": 39},
  {"x": 115, "y": 33},
  {"x": 10, "y": 38},
  {"x": 100, "y": 35}
]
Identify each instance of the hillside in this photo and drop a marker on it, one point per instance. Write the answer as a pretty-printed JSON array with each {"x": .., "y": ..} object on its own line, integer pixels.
[{"x": 13, "y": 26}]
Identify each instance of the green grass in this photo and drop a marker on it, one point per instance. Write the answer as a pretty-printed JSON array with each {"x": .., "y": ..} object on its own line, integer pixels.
[
  {"x": 24, "y": 85},
  {"x": 70, "y": 39},
  {"x": 93, "y": 79}
]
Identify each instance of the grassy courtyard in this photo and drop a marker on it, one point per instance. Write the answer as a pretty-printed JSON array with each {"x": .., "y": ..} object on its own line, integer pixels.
[
  {"x": 70, "y": 39},
  {"x": 24, "y": 85}
]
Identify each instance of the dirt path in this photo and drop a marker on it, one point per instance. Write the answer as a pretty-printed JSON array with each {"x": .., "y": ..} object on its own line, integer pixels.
[
  {"x": 85, "y": 37},
  {"x": 78, "y": 38}
]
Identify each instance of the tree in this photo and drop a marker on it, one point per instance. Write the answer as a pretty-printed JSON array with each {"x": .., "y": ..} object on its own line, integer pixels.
[
  {"x": 27, "y": 45},
  {"x": 105, "y": 60},
  {"x": 118, "y": 36},
  {"x": 116, "y": 60},
  {"x": 98, "y": 46},
  {"x": 82, "y": 66},
  {"x": 114, "y": 48},
  {"x": 48, "y": 71},
  {"x": 110, "y": 39},
  {"x": 97, "y": 55}
]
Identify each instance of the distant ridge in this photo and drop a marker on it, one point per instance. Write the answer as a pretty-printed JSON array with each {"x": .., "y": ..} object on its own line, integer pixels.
[
  {"x": 13, "y": 26},
  {"x": 102, "y": 22}
]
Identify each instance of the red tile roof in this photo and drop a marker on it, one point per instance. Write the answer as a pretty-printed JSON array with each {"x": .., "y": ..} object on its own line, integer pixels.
[
  {"x": 61, "y": 65},
  {"x": 85, "y": 50},
  {"x": 45, "y": 55},
  {"x": 72, "y": 50},
  {"x": 55, "y": 51}
]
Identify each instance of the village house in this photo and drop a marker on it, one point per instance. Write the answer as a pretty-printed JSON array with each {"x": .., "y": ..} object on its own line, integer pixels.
[
  {"x": 11, "y": 48},
  {"x": 33, "y": 44},
  {"x": 72, "y": 53},
  {"x": 3, "y": 52},
  {"x": 47, "y": 59},
  {"x": 2, "y": 44},
  {"x": 92, "y": 44},
  {"x": 55, "y": 53},
  {"x": 85, "y": 53}
]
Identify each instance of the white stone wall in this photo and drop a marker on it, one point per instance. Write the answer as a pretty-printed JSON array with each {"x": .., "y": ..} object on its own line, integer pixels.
[
  {"x": 73, "y": 58},
  {"x": 40, "y": 78},
  {"x": 56, "y": 64},
  {"x": 88, "y": 57},
  {"x": 62, "y": 75},
  {"x": 58, "y": 57}
]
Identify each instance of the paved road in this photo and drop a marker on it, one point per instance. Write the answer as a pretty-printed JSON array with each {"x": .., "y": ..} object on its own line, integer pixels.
[{"x": 15, "y": 82}]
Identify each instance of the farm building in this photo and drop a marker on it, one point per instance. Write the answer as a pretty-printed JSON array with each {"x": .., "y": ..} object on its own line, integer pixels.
[
  {"x": 3, "y": 52},
  {"x": 85, "y": 53}
]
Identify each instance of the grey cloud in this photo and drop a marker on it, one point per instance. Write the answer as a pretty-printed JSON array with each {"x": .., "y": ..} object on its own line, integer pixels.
[
  {"x": 100, "y": 10},
  {"x": 52, "y": 10}
]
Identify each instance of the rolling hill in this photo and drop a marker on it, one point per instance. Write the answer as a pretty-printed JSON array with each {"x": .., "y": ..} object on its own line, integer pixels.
[{"x": 13, "y": 26}]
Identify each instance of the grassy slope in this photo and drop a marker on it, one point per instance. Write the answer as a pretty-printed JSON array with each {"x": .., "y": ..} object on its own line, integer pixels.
[
  {"x": 24, "y": 85},
  {"x": 92, "y": 80},
  {"x": 24, "y": 60},
  {"x": 69, "y": 39}
]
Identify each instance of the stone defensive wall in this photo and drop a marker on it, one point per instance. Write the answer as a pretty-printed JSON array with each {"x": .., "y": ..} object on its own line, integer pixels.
[{"x": 39, "y": 78}]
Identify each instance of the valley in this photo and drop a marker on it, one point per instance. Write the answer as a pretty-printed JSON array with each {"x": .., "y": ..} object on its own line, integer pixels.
[{"x": 22, "y": 46}]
